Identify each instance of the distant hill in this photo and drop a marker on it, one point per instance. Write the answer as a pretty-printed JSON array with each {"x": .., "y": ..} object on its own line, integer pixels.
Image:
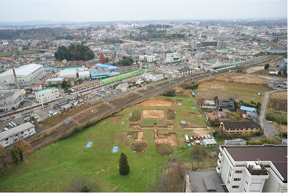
[{"x": 32, "y": 23}]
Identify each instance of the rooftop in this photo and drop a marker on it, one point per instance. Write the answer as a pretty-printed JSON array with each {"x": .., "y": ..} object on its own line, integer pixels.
[
  {"x": 15, "y": 130},
  {"x": 240, "y": 124},
  {"x": 23, "y": 70},
  {"x": 205, "y": 181},
  {"x": 45, "y": 90}
]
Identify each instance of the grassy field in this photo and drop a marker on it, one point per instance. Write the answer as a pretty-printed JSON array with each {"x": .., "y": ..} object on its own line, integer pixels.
[
  {"x": 54, "y": 167},
  {"x": 20, "y": 53}
]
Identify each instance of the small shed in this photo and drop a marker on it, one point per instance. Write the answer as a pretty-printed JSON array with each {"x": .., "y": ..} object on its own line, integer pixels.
[
  {"x": 65, "y": 107},
  {"x": 209, "y": 142}
]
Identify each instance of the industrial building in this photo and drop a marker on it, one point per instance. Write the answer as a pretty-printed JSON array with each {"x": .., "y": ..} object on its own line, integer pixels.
[
  {"x": 10, "y": 99},
  {"x": 22, "y": 131},
  {"x": 68, "y": 73},
  {"x": 26, "y": 75},
  {"x": 257, "y": 168},
  {"x": 47, "y": 95}
]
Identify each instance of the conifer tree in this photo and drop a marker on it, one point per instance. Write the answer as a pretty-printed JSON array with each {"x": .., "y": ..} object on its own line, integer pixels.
[{"x": 124, "y": 168}]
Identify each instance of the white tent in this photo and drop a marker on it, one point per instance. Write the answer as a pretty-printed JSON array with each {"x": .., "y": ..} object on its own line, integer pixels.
[{"x": 209, "y": 142}]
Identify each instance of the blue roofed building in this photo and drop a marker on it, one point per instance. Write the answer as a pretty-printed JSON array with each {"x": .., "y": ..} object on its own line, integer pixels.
[
  {"x": 249, "y": 109},
  {"x": 94, "y": 73},
  {"x": 109, "y": 67}
]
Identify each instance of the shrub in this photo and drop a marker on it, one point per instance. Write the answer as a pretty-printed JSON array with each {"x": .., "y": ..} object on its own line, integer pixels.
[
  {"x": 169, "y": 93},
  {"x": 165, "y": 150}
]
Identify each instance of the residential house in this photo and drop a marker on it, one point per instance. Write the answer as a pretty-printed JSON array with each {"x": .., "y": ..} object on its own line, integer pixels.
[
  {"x": 239, "y": 127},
  {"x": 184, "y": 71},
  {"x": 36, "y": 87},
  {"x": 123, "y": 87},
  {"x": 136, "y": 79},
  {"x": 226, "y": 104},
  {"x": 209, "y": 102}
]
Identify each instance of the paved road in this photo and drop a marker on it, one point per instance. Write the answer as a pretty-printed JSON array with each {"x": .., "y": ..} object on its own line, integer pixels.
[{"x": 269, "y": 129}]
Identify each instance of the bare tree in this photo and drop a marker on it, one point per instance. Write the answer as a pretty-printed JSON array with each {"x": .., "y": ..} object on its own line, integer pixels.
[
  {"x": 18, "y": 148},
  {"x": 172, "y": 178},
  {"x": 2, "y": 157}
]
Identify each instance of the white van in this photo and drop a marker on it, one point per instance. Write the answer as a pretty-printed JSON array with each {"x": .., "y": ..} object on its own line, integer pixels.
[{"x": 186, "y": 138}]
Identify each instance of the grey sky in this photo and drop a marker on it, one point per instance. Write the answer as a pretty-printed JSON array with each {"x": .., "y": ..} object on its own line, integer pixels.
[{"x": 116, "y": 10}]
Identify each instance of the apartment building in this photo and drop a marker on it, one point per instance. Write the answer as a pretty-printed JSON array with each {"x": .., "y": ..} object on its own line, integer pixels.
[
  {"x": 22, "y": 131},
  {"x": 46, "y": 95},
  {"x": 260, "y": 168},
  {"x": 127, "y": 46},
  {"x": 239, "y": 127}
]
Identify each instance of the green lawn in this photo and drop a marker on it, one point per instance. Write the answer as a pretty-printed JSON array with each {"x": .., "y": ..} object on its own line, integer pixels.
[{"x": 53, "y": 167}]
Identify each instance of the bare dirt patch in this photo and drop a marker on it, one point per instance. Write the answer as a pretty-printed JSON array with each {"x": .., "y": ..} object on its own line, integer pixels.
[
  {"x": 153, "y": 114},
  {"x": 135, "y": 116},
  {"x": 210, "y": 95},
  {"x": 139, "y": 147},
  {"x": 277, "y": 105},
  {"x": 279, "y": 95},
  {"x": 217, "y": 87},
  {"x": 156, "y": 103},
  {"x": 116, "y": 118},
  {"x": 200, "y": 131},
  {"x": 170, "y": 114},
  {"x": 283, "y": 128},
  {"x": 170, "y": 138}
]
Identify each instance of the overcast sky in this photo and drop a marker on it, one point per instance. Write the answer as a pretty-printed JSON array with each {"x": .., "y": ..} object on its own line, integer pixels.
[{"x": 120, "y": 10}]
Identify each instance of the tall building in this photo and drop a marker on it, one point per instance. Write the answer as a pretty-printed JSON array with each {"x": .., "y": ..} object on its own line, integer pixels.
[
  {"x": 259, "y": 168},
  {"x": 210, "y": 43},
  {"x": 26, "y": 75},
  {"x": 221, "y": 45},
  {"x": 47, "y": 95},
  {"x": 147, "y": 58},
  {"x": 127, "y": 46}
]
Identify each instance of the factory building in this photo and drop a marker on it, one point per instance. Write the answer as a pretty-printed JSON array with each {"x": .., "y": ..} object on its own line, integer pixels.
[{"x": 26, "y": 75}]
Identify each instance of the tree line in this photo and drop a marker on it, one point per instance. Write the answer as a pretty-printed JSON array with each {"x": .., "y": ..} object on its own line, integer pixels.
[{"x": 78, "y": 52}]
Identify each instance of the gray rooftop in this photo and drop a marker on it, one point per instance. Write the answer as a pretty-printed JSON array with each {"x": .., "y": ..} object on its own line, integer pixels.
[
  {"x": 16, "y": 130},
  {"x": 204, "y": 181}
]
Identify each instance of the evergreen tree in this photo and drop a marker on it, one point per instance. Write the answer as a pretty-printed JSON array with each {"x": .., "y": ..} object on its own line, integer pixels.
[{"x": 124, "y": 168}]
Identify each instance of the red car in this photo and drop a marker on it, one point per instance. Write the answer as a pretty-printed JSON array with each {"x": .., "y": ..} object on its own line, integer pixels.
[
  {"x": 137, "y": 86},
  {"x": 198, "y": 137}
]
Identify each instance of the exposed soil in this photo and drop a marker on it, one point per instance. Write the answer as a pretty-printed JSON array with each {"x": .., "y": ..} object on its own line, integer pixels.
[
  {"x": 279, "y": 95},
  {"x": 135, "y": 116},
  {"x": 210, "y": 95},
  {"x": 277, "y": 105},
  {"x": 170, "y": 114},
  {"x": 139, "y": 147},
  {"x": 156, "y": 103},
  {"x": 217, "y": 87},
  {"x": 167, "y": 138},
  {"x": 155, "y": 114},
  {"x": 116, "y": 118}
]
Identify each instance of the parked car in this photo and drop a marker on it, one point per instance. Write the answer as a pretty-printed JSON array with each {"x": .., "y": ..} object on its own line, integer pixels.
[
  {"x": 201, "y": 136},
  {"x": 209, "y": 137},
  {"x": 25, "y": 116},
  {"x": 194, "y": 137},
  {"x": 6, "y": 129},
  {"x": 7, "y": 126},
  {"x": 14, "y": 123},
  {"x": 144, "y": 84},
  {"x": 205, "y": 136},
  {"x": 18, "y": 123},
  {"x": 198, "y": 137},
  {"x": 191, "y": 139},
  {"x": 137, "y": 86}
]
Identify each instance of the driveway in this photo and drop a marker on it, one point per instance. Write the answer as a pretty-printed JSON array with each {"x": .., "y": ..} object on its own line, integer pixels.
[{"x": 269, "y": 129}]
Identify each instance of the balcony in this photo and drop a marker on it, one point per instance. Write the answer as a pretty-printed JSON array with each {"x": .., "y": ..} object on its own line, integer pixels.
[
  {"x": 218, "y": 170},
  {"x": 219, "y": 162},
  {"x": 220, "y": 155}
]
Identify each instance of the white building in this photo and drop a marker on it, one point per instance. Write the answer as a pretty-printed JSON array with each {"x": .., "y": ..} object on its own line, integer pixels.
[
  {"x": 147, "y": 58},
  {"x": 172, "y": 57},
  {"x": 21, "y": 131},
  {"x": 46, "y": 95},
  {"x": 253, "y": 168},
  {"x": 10, "y": 99},
  {"x": 26, "y": 75},
  {"x": 209, "y": 142},
  {"x": 68, "y": 73}
]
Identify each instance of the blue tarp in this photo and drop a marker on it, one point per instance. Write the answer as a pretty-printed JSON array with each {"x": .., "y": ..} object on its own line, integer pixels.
[
  {"x": 189, "y": 145},
  {"x": 115, "y": 149},
  {"x": 212, "y": 137},
  {"x": 182, "y": 121},
  {"x": 193, "y": 107},
  {"x": 201, "y": 143},
  {"x": 179, "y": 103},
  {"x": 89, "y": 144},
  {"x": 193, "y": 94}
]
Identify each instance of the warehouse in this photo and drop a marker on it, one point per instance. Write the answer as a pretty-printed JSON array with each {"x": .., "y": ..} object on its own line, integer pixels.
[
  {"x": 26, "y": 75},
  {"x": 68, "y": 73},
  {"x": 25, "y": 130}
]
